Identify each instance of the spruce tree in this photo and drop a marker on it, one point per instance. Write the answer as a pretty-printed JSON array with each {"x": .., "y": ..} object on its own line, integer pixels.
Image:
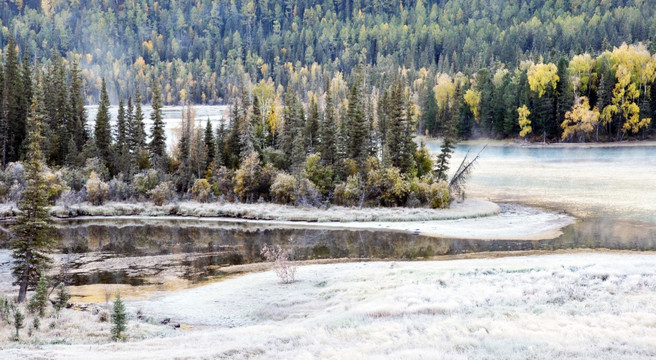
[
  {"x": 39, "y": 302},
  {"x": 356, "y": 122},
  {"x": 327, "y": 130},
  {"x": 19, "y": 319},
  {"x": 122, "y": 140},
  {"x": 78, "y": 120},
  {"x": 102, "y": 133},
  {"x": 157, "y": 135},
  {"x": 209, "y": 144},
  {"x": 63, "y": 296},
  {"x": 118, "y": 318},
  {"x": 312, "y": 126},
  {"x": 13, "y": 125},
  {"x": 429, "y": 111},
  {"x": 31, "y": 240}
]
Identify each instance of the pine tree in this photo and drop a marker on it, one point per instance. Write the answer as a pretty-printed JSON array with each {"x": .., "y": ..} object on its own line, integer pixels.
[
  {"x": 312, "y": 125},
  {"x": 184, "y": 173},
  {"x": 327, "y": 130},
  {"x": 122, "y": 140},
  {"x": 19, "y": 319},
  {"x": 76, "y": 98},
  {"x": 209, "y": 144},
  {"x": 158, "y": 137},
  {"x": 13, "y": 126},
  {"x": 102, "y": 133},
  {"x": 356, "y": 122},
  {"x": 564, "y": 95},
  {"x": 429, "y": 111},
  {"x": 31, "y": 240},
  {"x": 119, "y": 319},
  {"x": 63, "y": 296},
  {"x": 39, "y": 301},
  {"x": 220, "y": 156}
]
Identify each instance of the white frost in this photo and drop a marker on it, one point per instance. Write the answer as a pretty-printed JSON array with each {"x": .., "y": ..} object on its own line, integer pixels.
[{"x": 587, "y": 305}]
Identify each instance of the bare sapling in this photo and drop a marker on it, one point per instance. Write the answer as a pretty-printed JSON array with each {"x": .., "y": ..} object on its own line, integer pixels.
[{"x": 284, "y": 269}]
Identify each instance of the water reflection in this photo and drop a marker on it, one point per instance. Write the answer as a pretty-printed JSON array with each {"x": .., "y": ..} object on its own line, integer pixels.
[{"x": 206, "y": 247}]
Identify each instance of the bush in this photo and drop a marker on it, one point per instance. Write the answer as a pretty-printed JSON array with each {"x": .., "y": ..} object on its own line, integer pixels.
[
  {"x": 283, "y": 188},
  {"x": 222, "y": 183},
  {"x": 162, "y": 194},
  {"x": 307, "y": 194},
  {"x": 439, "y": 195},
  {"x": 388, "y": 186},
  {"x": 98, "y": 166},
  {"x": 419, "y": 190},
  {"x": 56, "y": 186},
  {"x": 285, "y": 271},
  {"x": 266, "y": 178},
  {"x": 321, "y": 176},
  {"x": 246, "y": 178},
  {"x": 97, "y": 190},
  {"x": 145, "y": 181},
  {"x": 201, "y": 190},
  {"x": 119, "y": 190},
  {"x": 75, "y": 178},
  {"x": 349, "y": 193}
]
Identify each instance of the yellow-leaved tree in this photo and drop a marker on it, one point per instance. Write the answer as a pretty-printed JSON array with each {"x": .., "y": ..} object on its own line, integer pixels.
[
  {"x": 473, "y": 99},
  {"x": 524, "y": 122},
  {"x": 580, "y": 121},
  {"x": 541, "y": 77}
]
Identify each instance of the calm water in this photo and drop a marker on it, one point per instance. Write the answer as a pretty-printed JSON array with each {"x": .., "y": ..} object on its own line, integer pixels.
[{"x": 613, "y": 183}]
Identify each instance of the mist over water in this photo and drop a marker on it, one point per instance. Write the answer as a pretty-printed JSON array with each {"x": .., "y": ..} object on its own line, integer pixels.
[
  {"x": 614, "y": 183},
  {"x": 172, "y": 118}
]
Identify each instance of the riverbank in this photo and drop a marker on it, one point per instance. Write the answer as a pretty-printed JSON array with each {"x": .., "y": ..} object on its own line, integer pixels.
[
  {"x": 584, "y": 305},
  {"x": 470, "y": 208},
  {"x": 521, "y": 143}
]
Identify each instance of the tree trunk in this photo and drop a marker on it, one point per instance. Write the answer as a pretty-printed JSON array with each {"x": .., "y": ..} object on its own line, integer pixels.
[{"x": 22, "y": 292}]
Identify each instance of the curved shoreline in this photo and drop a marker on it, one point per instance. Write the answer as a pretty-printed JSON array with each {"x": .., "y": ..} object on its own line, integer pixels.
[
  {"x": 540, "y": 145},
  {"x": 511, "y": 222}
]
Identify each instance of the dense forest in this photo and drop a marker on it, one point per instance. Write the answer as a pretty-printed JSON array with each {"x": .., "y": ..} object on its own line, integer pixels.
[
  {"x": 201, "y": 50},
  {"x": 326, "y": 97}
]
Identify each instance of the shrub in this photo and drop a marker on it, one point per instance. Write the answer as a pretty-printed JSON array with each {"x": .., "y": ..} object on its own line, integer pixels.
[
  {"x": 388, "y": 186},
  {"x": 266, "y": 178},
  {"x": 439, "y": 195},
  {"x": 97, "y": 190},
  {"x": 119, "y": 189},
  {"x": 285, "y": 271},
  {"x": 246, "y": 178},
  {"x": 201, "y": 190},
  {"x": 145, "y": 181},
  {"x": 423, "y": 160},
  {"x": 419, "y": 190},
  {"x": 15, "y": 173},
  {"x": 349, "y": 193},
  {"x": 222, "y": 183},
  {"x": 162, "y": 194},
  {"x": 307, "y": 194},
  {"x": 283, "y": 188},
  {"x": 75, "y": 178},
  {"x": 275, "y": 157},
  {"x": 321, "y": 176},
  {"x": 96, "y": 165},
  {"x": 56, "y": 186}
]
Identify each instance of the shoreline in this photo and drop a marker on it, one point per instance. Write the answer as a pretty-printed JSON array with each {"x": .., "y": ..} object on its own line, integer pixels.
[{"x": 539, "y": 145}]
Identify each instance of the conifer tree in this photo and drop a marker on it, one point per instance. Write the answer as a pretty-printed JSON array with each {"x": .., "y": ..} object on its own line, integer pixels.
[
  {"x": 327, "y": 130},
  {"x": 63, "y": 296},
  {"x": 158, "y": 137},
  {"x": 39, "y": 301},
  {"x": 118, "y": 318},
  {"x": 220, "y": 157},
  {"x": 209, "y": 144},
  {"x": 102, "y": 133},
  {"x": 13, "y": 125},
  {"x": 312, "y": 125},
  {"x": 122, "y": 140},
  {"x": 31, "y": 240},
  {"x": 356, "y": 122},
  {"x": 19, "y": 319},
  {"x": 76, "y": 98}
]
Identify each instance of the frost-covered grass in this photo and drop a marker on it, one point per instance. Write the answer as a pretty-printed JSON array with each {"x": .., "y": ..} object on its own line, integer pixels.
[
  {"x": 586, "y": 305},
  {"x": 268, "y": 211}
]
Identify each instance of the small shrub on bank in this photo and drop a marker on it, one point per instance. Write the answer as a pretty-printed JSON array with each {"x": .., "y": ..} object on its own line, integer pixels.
[
  {"x": 246, "y": 178},
  {"x": 307, "y": 194},
  {"x": 162, "y": 193},
  {"x": 285, "y": 271},
  {"x": 349, "y": 193},
  {"x": 222, "y": 184},
  {"x": 321, "y": 176},
  {"x": 201, "y": 190},
  {"x": 283, "y": 188},
  {"x": 97, "y": 190},
  {"x": 439, "y": 195},
  {"x": 145, "y": 181}
]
